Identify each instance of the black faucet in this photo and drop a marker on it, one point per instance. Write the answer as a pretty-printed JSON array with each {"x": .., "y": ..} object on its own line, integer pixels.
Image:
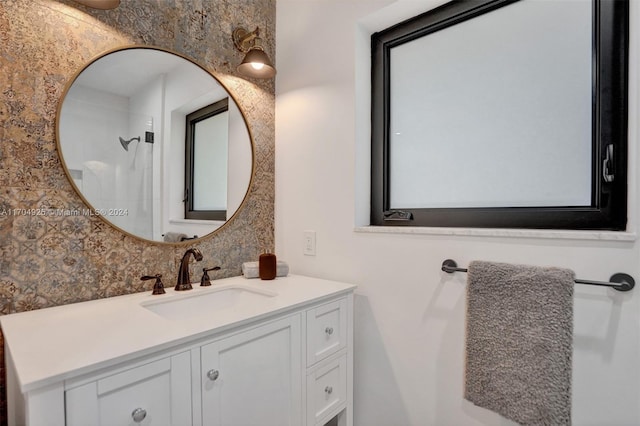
[{"x": 184, "y": 281}]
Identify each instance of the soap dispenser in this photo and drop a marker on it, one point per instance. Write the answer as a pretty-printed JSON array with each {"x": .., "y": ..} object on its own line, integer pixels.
[{"x": 267, "y": 266}]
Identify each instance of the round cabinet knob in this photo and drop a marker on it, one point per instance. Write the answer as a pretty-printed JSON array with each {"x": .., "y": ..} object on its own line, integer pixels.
[
  {"x": 139, "y": 414},
  {"x": 329, "y": 330},
  {"x": 328, "y": 390},
  {"x": 213, "y": 375}
]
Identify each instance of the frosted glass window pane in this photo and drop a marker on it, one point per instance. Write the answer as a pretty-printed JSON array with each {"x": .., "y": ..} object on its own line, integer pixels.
[
  {"x": 210, "y": 155},
  {"x": 482, "y": 119}
]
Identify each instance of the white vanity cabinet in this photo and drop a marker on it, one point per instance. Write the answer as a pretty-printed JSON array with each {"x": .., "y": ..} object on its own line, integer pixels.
[
  {"x": 286, "y": 361},
  {"x": 252, "y": 377}
]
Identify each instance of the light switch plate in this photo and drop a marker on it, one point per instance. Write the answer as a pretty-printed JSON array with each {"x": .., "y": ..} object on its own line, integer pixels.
[{"x": 309, "y": 243}]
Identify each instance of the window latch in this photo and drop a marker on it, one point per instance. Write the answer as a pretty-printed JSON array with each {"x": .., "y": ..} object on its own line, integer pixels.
[
  {"x": 607, "y": 164},
  {"x": 397, "y": 215}
]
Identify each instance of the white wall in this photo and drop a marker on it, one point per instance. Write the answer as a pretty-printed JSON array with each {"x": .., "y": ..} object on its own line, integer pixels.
[{"x": 410, "y": 317}]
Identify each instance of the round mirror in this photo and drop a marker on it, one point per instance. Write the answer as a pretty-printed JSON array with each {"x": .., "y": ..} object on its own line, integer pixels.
[{"x": 154, "y": 144}]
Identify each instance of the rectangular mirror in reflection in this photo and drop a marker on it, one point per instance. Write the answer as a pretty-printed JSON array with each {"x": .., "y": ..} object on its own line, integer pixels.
[{"x": 206, "y": 159}]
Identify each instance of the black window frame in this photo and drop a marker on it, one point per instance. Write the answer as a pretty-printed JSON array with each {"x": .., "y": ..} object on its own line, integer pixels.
[
  {"x": 191, "y": 120},
  {"x": 608, "y": 209}
]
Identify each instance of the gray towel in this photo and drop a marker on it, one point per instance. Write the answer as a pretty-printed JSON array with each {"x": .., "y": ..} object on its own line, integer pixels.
[
  {"x": 252, "y": 270},
  {"x": 519, "y": 341},
  {"x": 174, "y": 237}
]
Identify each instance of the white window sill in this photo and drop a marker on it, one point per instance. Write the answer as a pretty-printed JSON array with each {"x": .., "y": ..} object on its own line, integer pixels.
[
  {"x": 195, "y": 222},
  {"x": 509, "y": 233}
]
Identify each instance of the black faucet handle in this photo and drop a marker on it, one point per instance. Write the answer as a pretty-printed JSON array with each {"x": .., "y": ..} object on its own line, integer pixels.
[
  {"x": 205, "y": 281},
  {"x": 150, "y": 277},
  {"x": 158, "y": 287}
]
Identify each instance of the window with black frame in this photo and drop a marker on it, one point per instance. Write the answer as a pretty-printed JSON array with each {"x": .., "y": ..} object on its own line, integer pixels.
[
  {"x": 502, "y": 114},
  {"x": 206, "y": 161}
]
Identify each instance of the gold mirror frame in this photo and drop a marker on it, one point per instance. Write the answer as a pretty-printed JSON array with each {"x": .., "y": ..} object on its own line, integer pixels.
[{"x": 91, "y": 208}]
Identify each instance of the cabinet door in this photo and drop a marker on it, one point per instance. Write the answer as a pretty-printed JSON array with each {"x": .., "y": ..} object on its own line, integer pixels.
[
  {"x": 157, "y": 393},
  {"x": 254, "y": 377}
]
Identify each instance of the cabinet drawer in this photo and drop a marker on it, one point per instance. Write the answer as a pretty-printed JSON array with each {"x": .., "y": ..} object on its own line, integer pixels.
[
  {"x": 326, "y": 330},
  {"x": 326, "y": 390},
  {"x": 151, "y": 394}
]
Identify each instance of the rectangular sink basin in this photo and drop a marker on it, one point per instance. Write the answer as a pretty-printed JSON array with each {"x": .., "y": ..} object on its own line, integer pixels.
[{"x": 203, "y": 303}]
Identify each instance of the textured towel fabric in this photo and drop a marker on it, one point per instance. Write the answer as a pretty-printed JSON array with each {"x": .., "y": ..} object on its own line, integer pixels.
[
  {"x": 174, "y": 237},
  {"x": 519, "y": 341}
]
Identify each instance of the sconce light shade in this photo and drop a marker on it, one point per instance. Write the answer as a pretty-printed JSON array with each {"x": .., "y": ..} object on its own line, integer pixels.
[
  {"x": 100, "y": 4},
  {"x": 256, "y": 62}
]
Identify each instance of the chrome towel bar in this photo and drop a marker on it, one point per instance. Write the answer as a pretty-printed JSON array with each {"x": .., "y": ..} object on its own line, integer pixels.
[{"x": 619, "y": 281}]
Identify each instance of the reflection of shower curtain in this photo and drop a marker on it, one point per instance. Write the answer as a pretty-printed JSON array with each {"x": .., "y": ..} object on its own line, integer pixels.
[
  {"x": 97, "y": 183},
  {"x": 116, "y": 182},
  {"x": 140, "y": 196}
]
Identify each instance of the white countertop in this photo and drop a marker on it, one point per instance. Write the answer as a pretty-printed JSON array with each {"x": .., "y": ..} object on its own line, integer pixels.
[{"x": 54, "y": 344}]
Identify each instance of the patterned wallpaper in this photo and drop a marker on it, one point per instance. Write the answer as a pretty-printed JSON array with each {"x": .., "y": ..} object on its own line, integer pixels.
[{"x": 50, "y": 260}]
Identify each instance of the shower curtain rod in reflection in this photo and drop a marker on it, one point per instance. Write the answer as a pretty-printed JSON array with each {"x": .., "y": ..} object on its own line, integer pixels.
[{"x": 619, "y": 281}]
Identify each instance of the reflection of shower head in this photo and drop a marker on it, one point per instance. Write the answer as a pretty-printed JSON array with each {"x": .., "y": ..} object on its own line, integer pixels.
[{"x": 125, "y": 144}]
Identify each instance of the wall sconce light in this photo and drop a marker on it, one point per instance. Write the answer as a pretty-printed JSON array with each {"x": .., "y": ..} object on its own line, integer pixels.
[
  {"x": 100, "y": 4},
  {"x": 256, "y": 63}
]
